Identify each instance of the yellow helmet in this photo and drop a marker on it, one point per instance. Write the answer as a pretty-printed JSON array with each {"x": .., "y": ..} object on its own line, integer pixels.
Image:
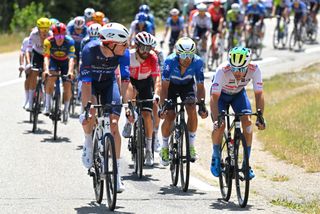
[
  {"x": 98, "y": 17},
  {"x": 43, "y": 22}
]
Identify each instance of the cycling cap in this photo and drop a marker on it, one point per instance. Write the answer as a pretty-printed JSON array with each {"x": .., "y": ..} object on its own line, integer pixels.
[
  {"x": 94, "y": 29},
  {"x": 239, "y": 57},
  {"x": 174, "y": 12},
  {"x": 114, "y": 32},
  {"x": 88, "y": 12},
  {"x": 59, "y": 28},
  {"x": 43, "y": 22},
  {"x": 145, "y": 38},
  {"x": 185, "y": 45},
  {"x": 79, "y": 22}
]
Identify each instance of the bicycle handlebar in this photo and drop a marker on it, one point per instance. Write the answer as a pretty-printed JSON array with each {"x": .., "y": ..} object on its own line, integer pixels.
[{"x": 223, "y": 114}]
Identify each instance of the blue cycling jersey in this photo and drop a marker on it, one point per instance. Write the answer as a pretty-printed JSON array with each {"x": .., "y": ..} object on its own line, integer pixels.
[
  {"x": 302, "y": 8},
  {"x": 259, "y": 9},
  {"x": 95, "y": 66},
  {"x": 175, "y": 26},
  {"x": 172, "y": 73},
  {"x": 76, "y": 37}
]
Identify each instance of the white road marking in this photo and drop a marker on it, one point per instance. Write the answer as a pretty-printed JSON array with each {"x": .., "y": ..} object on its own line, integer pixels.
[
  {"x": 312, "y": 50},
  {"x": 10, "y": 82},
  {"x": 200, "y": 185},
  {"x": 266, "y": 60}
]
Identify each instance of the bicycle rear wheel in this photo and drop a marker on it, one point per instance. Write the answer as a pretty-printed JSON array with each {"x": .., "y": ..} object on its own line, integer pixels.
[
  {"x": 111, "y": 171},
  {"x": 276, "y": 38},
  {"x": 242, "y": 170},
  {"x": 184, "y": 156},
  {"x": 292, "y": 40},
  {"x": 174, "y": 160},
  {"x": 56, "y": 115},
  {"x": 225, "y": 178},
  {"x": 140, "y": 142},
  {"x": 36, "y": 108},
  {"x": 97, "y": 165},
  {"x": 210, "y": 59}
]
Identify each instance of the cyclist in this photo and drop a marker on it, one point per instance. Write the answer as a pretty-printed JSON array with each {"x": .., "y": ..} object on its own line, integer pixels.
[
  {"x": 59, "y": 53},
  {"x": 175, "y": 22},
  {"x": 217, "y": 17},
  {"x": 144, "y": 76},
  {"x": 314, "y": 9},
  {"x": 228, "y": 88},
  {"x": 235, "y": 23},
  {"x": 140, "y": 24},
  {"x": 255, "y": 13},
  {"x": 300, "y": 12},
  {"x": 98, "y": 17},
  {"x": 201, "y": 24},
  {"x": 93, "y": 34},
  {"x": 35, "y": 48},
  {"x": 281, "y": 8},
  {"x": 146, "y": 9},
  {"x": 179, "y": 71},
  {"x": 22, "y": 64},
  {"x": 54, "y": 21},
  {"x": 100, "y": 58},
  {"x": 87, "y": 14}
]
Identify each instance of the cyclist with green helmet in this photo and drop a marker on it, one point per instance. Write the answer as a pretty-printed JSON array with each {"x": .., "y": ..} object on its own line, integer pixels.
[{"x": 228, "y": 88}]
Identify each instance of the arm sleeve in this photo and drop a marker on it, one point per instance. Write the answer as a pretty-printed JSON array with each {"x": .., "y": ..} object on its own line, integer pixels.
[
  {"x": 166, "y": 70},
  {"x": 85, "y": 68},
  {"x": 155, "y": 71},
  {"x": 217, "y": 82},
  {"x": 124, "y": 62},
  {"x": 30, "y": 42},
  {"x": 257, "y": 80},
  {"x": 168, "y": 22},
  {"x": 71, "y": 50},
  {"x": 199, "y": 72}
]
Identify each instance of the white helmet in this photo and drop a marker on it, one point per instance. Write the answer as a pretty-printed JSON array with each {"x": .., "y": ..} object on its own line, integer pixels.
[
  {"x": 145, "y": 38},
  {"x": 174, "y": 12},
  {"x": 235, "y": 7},
  {"x": 79, "y": 22},
  {"x": 202, "y": 7},
  {"x": 93, "y": 30},
  {"x": 114, "y": 32},
  {"x": 88, "y": 13},
  {"x": 185, "y": 44}
]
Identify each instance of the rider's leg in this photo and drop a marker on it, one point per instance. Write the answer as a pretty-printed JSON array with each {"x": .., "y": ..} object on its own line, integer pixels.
[
  {"x": 49, "y": 87},
  {"x": 32, "y": 80}
]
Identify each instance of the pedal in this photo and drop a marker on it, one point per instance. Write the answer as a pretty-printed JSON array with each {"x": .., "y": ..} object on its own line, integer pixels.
[{"x": 91, "y": 173}]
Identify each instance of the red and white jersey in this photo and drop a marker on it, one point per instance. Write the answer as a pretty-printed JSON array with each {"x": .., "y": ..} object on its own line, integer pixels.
[
  {"x": 35, "y": 42},
  {"x": 224, "y": 80},
  {"x": 149, "y": 67}
]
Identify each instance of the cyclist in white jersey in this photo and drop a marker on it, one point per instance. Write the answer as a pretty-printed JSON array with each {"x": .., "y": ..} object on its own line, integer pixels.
[
  {"x": 22, "y": 64},
  {"x": 228, "y": 88}
]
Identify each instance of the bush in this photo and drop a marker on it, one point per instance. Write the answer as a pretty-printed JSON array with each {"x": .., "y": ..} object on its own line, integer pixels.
[{"x": 24, "y": 19}]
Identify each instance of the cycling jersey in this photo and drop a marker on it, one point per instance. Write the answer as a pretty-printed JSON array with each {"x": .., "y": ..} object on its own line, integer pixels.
[
  {"x": 281, "y": 3},
  {"x": 202, "y": 22},
  {"x": 224, "y": 80},
  {"x": 63, "y": 52},
  {"x": 172, "y": 73},
  {"x": 24, "y": 45},
  {"x": 97, "y": 67},
  {"x": 86, "y": 40},
  {"x": 302, "y": 8},
  {"x": 140, "y": 71},
  {"x": 176, "y": 26},
  {"x": 235, "y": 17},
  {"x": 134, "y": 27},
  {"x": 216, "y": 15},
  {"x": 255, "y": 10},
  {"x": 35, "y": 42},
  {"x": 76, "y": 37}
]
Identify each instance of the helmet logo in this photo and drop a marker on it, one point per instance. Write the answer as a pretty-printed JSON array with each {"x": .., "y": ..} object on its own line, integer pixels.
[{"x": 111, "y": 35}]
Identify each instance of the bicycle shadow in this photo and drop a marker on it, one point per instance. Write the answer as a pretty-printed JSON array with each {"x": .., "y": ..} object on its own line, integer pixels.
[
  {"x": 38, "y": 132},
  {"x": 134, "y": 177},
  {"x": 220, "y": 204},
  {"x": 28, "y": 122},
  {"x": 176, "y": 190},
  {"x": 94, "y": 207},
  {"x": 58, "y": 140}
]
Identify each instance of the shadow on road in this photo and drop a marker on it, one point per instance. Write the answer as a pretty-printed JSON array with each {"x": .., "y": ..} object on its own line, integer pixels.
[
  {"x": 134, "y": 177},
  {"x": 38, "y": 132},
  {"x": 93, "y": 207},
  {"x": 59, "y": 140},
  {"x": 28, "y": 121},
  {"x": 220, "y": 204},
  {"x": 176, "y": 190}
]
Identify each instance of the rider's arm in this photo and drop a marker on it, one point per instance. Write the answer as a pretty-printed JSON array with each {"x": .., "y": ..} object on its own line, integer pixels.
[
  {"x": 215, "y": 92},
  {"x": 155, "y": 73},
  {"x": 258, "y": 88},
  {"x": 29, "y": 49},
  {"x": 71, "y": 55},
  {"x": 165, "y": 80},
  {"x": 200, "y": 79},
  {"x": 46, "y": 55},
  {"x": 124, "y": 62},
  {"x": 85, "y": 75},
  {"x": 166, "y": 29}
]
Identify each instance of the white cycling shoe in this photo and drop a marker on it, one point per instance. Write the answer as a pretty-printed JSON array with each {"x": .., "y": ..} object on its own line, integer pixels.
[{"x": 120, "y": 185}]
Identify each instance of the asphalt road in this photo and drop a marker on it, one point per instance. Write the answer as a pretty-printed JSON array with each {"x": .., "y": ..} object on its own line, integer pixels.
[{"x": 39, "y": 175}]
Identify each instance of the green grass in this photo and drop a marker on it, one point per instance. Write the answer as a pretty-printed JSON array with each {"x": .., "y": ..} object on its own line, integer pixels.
[
  {"x": 312, "y": 207},
  {"x": 292, "y": 112},
  {"x": 10, "y": 42}
]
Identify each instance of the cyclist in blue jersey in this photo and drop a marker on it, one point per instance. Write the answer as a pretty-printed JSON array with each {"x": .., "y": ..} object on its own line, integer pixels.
[
  {"x": 299, "y": 9},
  {"x": 179, "y": 71},
  {"x": 140, "y": 24},
  {"x": 88, "y": 13},
  {"x": 254, "y": 14},
  {"x": 100, "y": 59},
  {"x": 314, "y": 9},
  {"x": 146, "y": 9},
  {"x": 93, "y": 34},
  {"x": 176, "y": 23}
]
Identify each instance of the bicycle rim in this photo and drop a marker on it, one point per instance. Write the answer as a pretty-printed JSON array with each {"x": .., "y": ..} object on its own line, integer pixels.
[
  {"x": 97, "y": 165},
  {"x": 174, "y": 160},
  {"x": 56, "y": 116},
  {"x": 242, "y": 171},
  {"x": 184, "y": 155},
  {"x": 225, "y": 178},
  {"x": 36, "y": 110},
  {"x": 111, "y": 171},
  {"x": 140, "y": 146}
]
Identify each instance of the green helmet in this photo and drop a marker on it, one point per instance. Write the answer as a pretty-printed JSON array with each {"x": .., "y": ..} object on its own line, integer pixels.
[{"x": 239, "y": 57}]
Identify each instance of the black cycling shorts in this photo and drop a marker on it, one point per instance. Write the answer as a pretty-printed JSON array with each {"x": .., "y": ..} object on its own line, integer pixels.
[
  {"x": 37, "y": 60},
  {"x": 182, "y": 91},
  {"x": 144, "y": 88}
]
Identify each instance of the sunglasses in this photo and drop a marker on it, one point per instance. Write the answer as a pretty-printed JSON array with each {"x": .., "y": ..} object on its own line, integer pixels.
[
  {"x": 59, "y": 36},
  {"x": 106, "y": 43},
  {"x": 186, "y": 55},
  {"x": 242, "y": 70},
  {"x": 43, "y": 30},
  {"x": 144, "y": 48}
]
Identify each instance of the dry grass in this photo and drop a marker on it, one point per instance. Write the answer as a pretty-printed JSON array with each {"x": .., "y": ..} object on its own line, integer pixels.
[
  {"x": 10, "y": 42},
  {"x": 280, "y": 178},
  {"x": 312, "y": 207}
]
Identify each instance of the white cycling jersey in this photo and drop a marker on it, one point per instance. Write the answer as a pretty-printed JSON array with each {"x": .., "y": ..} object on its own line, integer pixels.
[
  {"x": 224, "y": 80},
  {"x": 24, "y": 45},
  {"x": 35, "y": 42},
  {"x": 202, "y": 22}
]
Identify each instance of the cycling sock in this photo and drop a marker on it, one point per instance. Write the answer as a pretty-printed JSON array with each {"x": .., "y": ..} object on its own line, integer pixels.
[
  {"x": 155, "y": 130},
  {"x": 30, "y": 96},
  {"x": 249, "y": 151},
  {"x": 118, "y": 166},
  {"x": 165, "y": 142},
  {"x": 216, "y": 150},
  {"x": 27, "y": 97},
  {"x": 66, "y": 105},
  {"x": 48, "y": 100},
  {"x": 149, "y": 144},
  {"x": 192, "y": 138},
  {"x": 88, "y": 140}
]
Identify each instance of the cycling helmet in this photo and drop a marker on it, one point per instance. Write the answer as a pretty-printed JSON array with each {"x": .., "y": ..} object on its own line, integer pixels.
[
  {"x": 202, "y": 7},
  {"x": 216, "y": 3},
  {"x": 235, "y": 7},
  {"x": 54, "y": 21},
  {"x": 114, "y": 32},
  {"x": 174, "y": 12},
  {"x": 88, "y": 13},
  {"x": 141, "y": 17},
  {"x": 239, "y": 57},
  {"x": 94, "y": 29},
  {"x": 43, "y": 22},
  {"x": 145, "y": 38},
  {"x": 144, "y": 8},
  {"x": 98, "y": 16},
  {"x": 185, "y": 45},
  {"x": 79, "y": 22},
  {"x": 59, "y": 28}
]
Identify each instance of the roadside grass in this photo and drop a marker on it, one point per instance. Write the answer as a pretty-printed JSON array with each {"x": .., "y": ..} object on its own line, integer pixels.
[
  {"x": 10, "y": 42},
  {"x": 312, "y": 207},
  {"x": 292, "y": 114},
  {"x": 280, "y": 178}
]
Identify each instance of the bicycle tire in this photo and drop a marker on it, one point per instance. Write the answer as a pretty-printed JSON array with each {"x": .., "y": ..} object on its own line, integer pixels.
[
  {"x": 97, "y": 165},
  {"x": 140, "y": 146},
  {"x": 111, "y": 171},
  {"x": 276, "y": 40},
  {"x": 241, "y": 172},
  {"x": 56, "y": 116},
  {"x": 225, "y": 178},
  {"x": 210, "y": 59},
  {"x": 292, "y": 41},
  {"x": 184, "y": 155},
  {"x": 36, "y": 108},
  {"x": 174, "y": 160}
]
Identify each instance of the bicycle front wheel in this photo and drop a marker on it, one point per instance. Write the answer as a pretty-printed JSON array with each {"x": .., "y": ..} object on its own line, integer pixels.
[
  {"x": 242, "y": 170},
  {"x": 174, "y": 160},
  {"x": 140, "y": 140},
  {"x": 225, "y": 178},
  {"x": 36, "y": 108},
  {"x": 97, "y": 165},
  {"x": 56, "y": 116},
  {"x": 184, "y": 155},
  {"x": 111, "y": 170}
]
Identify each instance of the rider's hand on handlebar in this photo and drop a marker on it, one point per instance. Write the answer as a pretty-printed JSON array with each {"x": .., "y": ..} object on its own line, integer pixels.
[
  {"x": 82, "y": 118},
  {"x": 71, "y": 76},
  {"x": 129, "y": 115},
  {"x": 156, "y": 98},
  {"x": 261, "y": 125}
]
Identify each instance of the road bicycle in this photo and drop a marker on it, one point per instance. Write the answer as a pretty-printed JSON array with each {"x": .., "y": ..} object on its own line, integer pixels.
[
  {"x": 296, "y": 39},
  {"x": 254, "y": 41},
  {"x": 179, "y": 148},
  {"x": 74, "y": 97},
  {"x": 311, "y": 30},
  {"x": 234, "y": 157},
  {"x": 280, "y": 33},
  {"x": 215, "y": 53},
  {"x": 104, "y": 154}
]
